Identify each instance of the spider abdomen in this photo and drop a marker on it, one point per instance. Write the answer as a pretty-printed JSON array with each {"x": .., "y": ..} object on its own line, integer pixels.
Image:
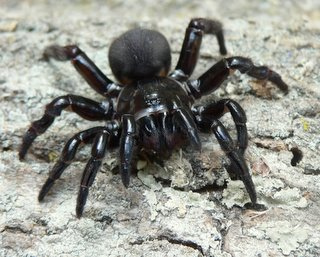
[{"x": 138, "y": 54}]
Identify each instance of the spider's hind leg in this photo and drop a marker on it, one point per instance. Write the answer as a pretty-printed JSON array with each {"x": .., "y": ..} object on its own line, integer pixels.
[
  {"x": 85, "y": 66},
  {"x": 191, "y": 45}
]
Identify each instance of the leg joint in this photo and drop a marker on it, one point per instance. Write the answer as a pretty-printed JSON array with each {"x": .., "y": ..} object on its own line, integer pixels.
[
  {"x": 72, "y": 51},
  {"x": 236, "y": 111},
  {"x": 61, "y": 53},
  {"x": 239, "y": 63},
  {"x": 57, "y": 105},
  {"x": 206, "y": 25},
  {"x": 197, "y": 23}
]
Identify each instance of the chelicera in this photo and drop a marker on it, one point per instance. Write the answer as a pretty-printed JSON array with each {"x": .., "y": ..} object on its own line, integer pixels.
[{"x": 150, "y": 112}]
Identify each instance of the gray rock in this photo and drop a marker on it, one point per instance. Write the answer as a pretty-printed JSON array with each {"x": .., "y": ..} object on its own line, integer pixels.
[{"x": 183, "y": 209}]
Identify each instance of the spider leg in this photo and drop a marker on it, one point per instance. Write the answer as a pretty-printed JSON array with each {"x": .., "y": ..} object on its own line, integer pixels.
[
  {"x": 206, "y": 118},
  {"x": 99, "y": 147},
  {"x": 235, "y": 157},
  {"x": 85, "y": 66},
  {"x": 213, "y": 111},
  {"x": 213, "y": 78},
  {"x": 191, "y": 45},
  {"x": 67, "y": 156},
  {"x": 127, "y": 144},
  {"x": 216, "y": 110},
  {"x": 86, "y": 108}
]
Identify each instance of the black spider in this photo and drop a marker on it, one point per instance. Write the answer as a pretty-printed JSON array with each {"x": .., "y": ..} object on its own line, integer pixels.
[{"x": 149, "y": 113}]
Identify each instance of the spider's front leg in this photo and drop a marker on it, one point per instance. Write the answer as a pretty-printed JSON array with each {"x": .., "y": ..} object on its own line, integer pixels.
[
  {"x": 99, "y": 137},
  {"x": 127, "y": 147},
  {"x": 207, "y": 120},
  {"x": 84, "y": 107},
  {"x": 97, "y": 153},
  {"x": 213, "y": 111},
  {"x": 214, "y": 77},
  {"x": 206, "y": 114},
  {"x": 67, "y": 156},
  {"x": 191, "y": 45},
  {"x": 236, "y": 158}
]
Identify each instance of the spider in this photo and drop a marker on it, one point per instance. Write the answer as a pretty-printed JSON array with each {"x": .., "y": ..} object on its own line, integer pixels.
[{"x": 149, "y": 112}]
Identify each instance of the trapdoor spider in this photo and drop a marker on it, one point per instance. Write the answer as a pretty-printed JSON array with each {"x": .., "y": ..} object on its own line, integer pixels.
[{"x": 150, "y": 112}]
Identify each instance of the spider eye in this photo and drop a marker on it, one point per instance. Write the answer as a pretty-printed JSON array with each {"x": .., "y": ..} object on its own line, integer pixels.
[{"x": 139, "y": 54}]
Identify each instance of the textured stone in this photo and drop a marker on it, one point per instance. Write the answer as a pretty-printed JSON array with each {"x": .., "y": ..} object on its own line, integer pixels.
[{"x": 184, "y": 208}]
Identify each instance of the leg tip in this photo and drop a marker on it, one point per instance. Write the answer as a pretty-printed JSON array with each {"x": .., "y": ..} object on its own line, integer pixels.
[
  {"x": 40, "y": 197},
  {"x": 126, "y": 181},
  {"x": 45, "y": 189},
  {"x": 21, "y": 155},
  {"x": 125, "y": 176},
  {"x": 255, "y": 206},
  {"x": 223, "y": 51},
  {"x": 81, "y": 200},
  {"x": 79, "y": 211}
]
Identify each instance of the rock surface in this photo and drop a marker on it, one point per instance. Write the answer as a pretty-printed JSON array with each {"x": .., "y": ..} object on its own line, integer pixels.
[{"x": 185, "y": 208}]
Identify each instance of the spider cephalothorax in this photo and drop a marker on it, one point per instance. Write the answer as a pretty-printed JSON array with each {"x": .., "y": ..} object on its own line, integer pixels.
[{"x": 150, "y": 113}]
